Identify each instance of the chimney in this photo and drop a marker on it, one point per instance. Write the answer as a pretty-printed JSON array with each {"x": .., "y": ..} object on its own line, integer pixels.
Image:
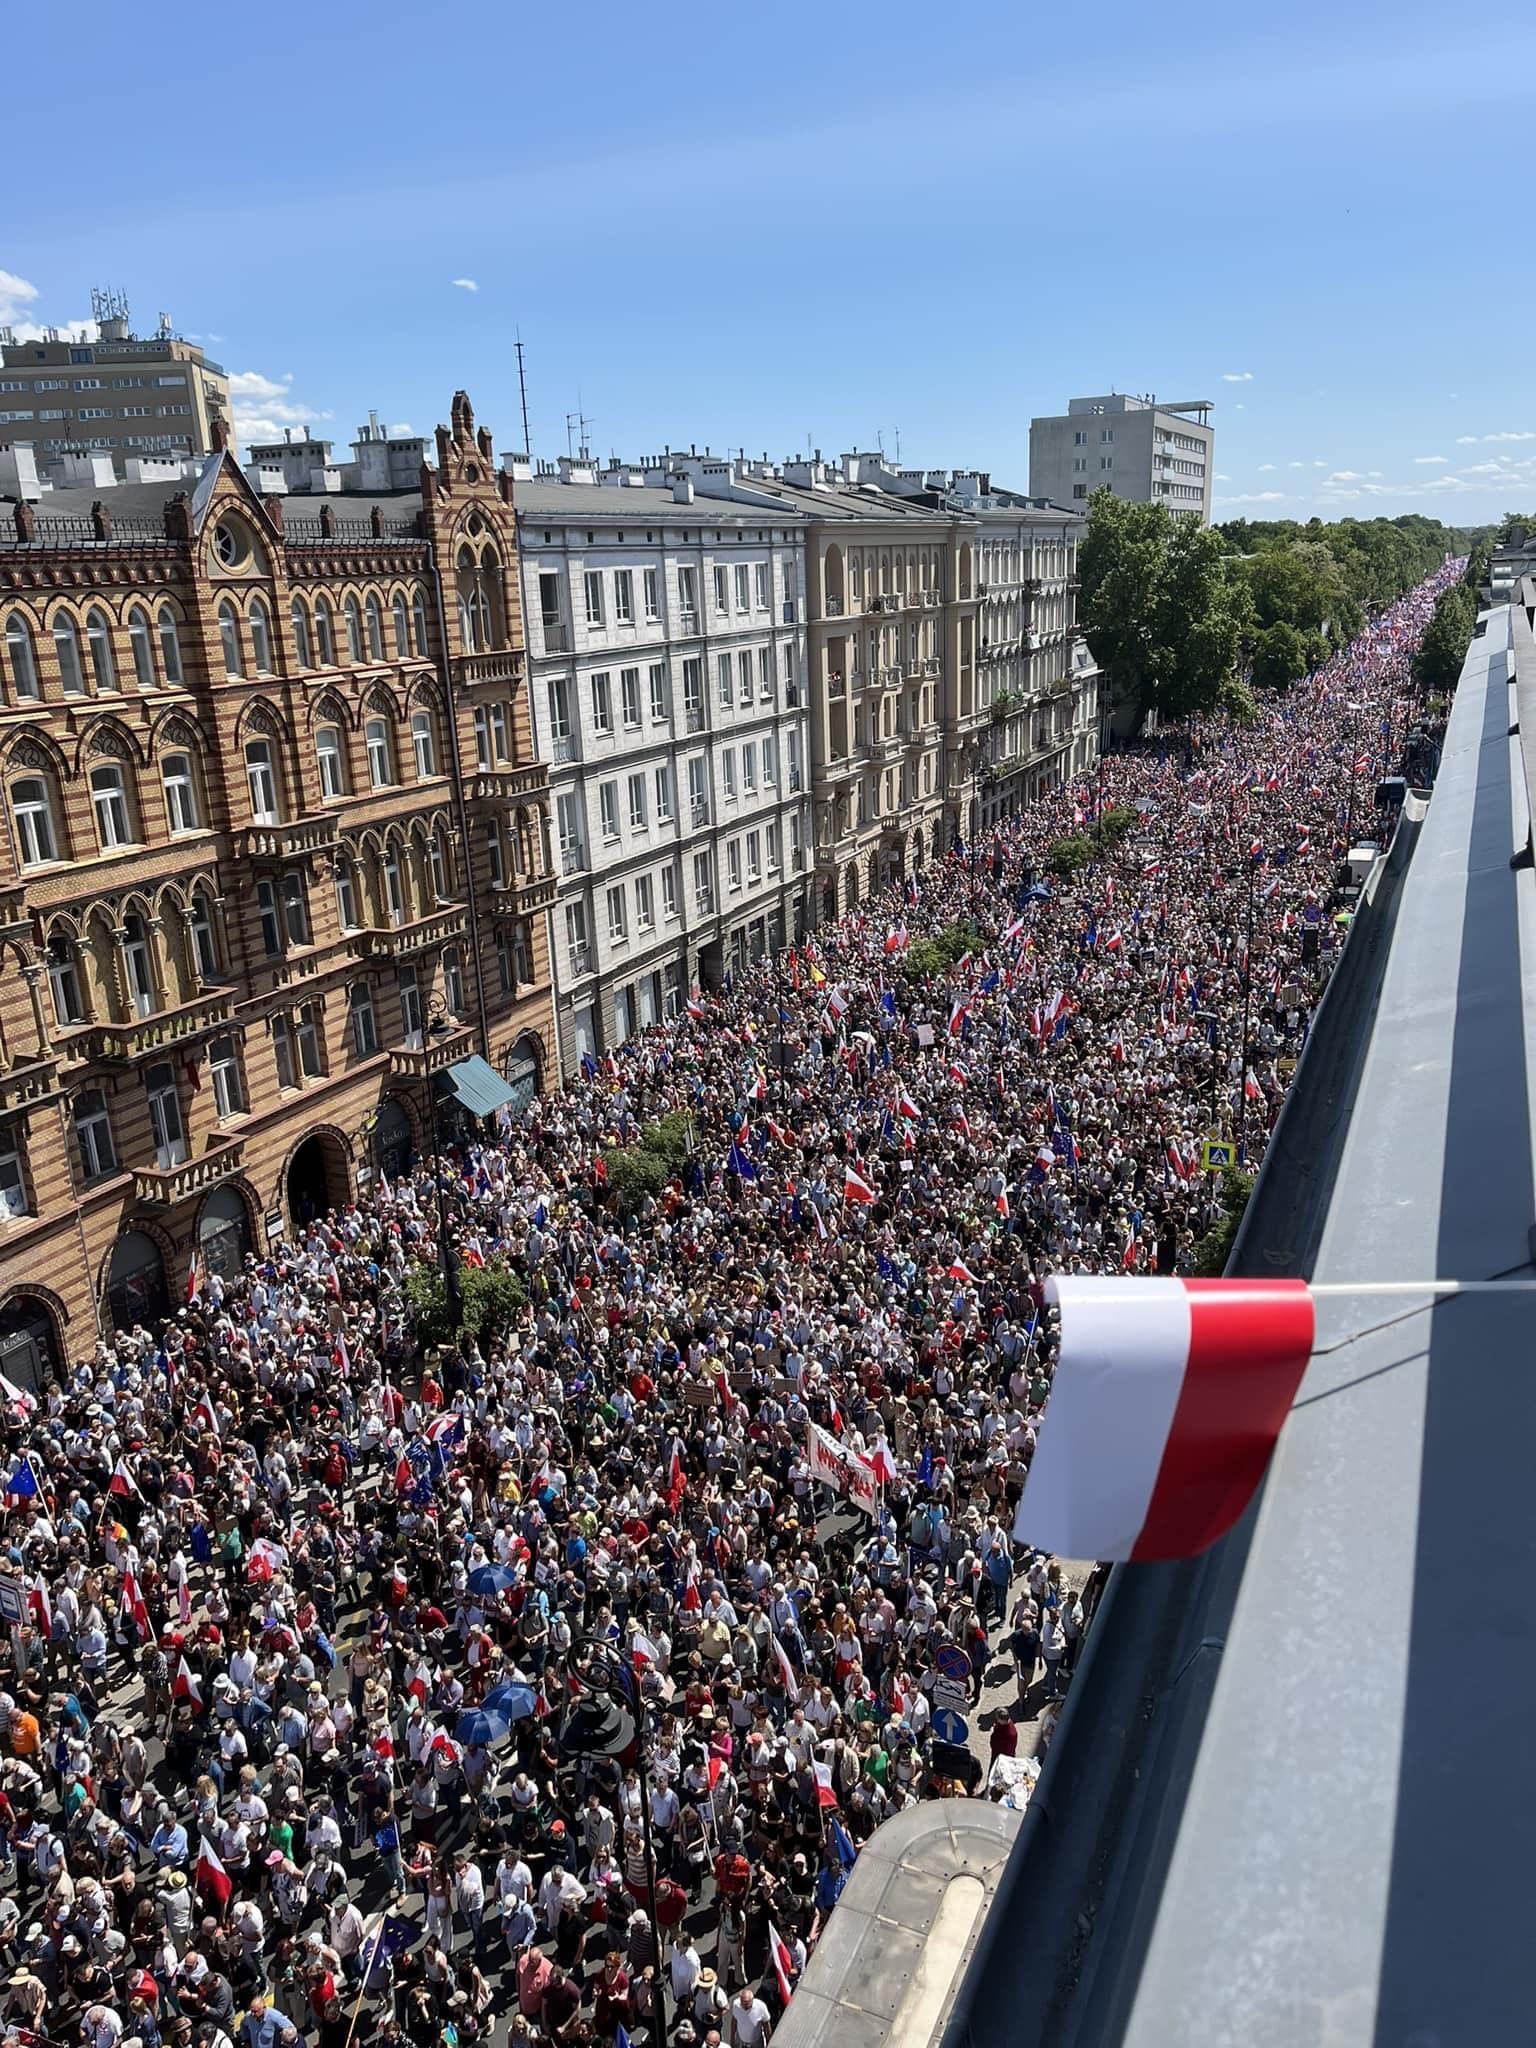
[
  {"x": 218, "y": 433},
  {"x": 178, "y": 517},
  {"x": 327, "y": 520},
  {"x": 101, "y": 521},
  {"x": 682, "y": 490},
  {"x": 376, "y": 521},
  {"x": 272, "y": 505}
]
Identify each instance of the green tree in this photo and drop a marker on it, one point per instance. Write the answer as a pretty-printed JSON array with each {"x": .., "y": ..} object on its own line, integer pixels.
[
  {"x": 1301, "y": 584},
  {"x": 1437, "y": 665},
  {"x": 1279, "y": 657},
  {"x": 1513, "y": 522},
  {"x": 1215, "y": 1248},
  {"x": 492, "y": 1295}
]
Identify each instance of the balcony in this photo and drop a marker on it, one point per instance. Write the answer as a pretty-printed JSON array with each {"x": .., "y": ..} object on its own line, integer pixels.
[
  {"x": 503, "y": 665},
  {"x": 693, "y": 718},
  {"x": 13, "y": 907},
  {"x": 183, "y": 1026},
  {"x": 524, "y": 899},
  {"x": 437, "y": 1051},
  {"x": 163, "y": 1187},
  {"x": 557, "y": 636},
  {"x": 508, "y": 785},
  {"x": 396, "y": 942},
  {"x": 286, "y": 842},
  {"x": 31, "y": 1082},
  {"x": 562, "y": 749},
  {"x": 787, "y": 611},
  {"x": 834, "y": 608}
]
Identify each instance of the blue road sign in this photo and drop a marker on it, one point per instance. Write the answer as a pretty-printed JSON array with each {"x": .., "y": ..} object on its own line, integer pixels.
[
  {"x": 951, "y": 1727},
  {"x": 953, "y": 1663}
]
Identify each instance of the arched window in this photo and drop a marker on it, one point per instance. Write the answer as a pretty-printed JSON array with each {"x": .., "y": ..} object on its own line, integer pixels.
[
  {"x": 394, "y": 888},
  {"x": 37, "y": 838},
  {"x": 375, "y": 630},
  {"x": 325, "y": 632},
  {"x": 98, "y": 632},
  {"x": 142, "y": 642},
  {"x": 181, "y": 809},
  {"x": 170, "y": 645},
  {"x": 229, "y": 638},
  {"x": 330, "y": 752},
  {"x": 419, "y": 623},
  {"x": 205, "y": 939},
  {"x": 139, "y": 969},
  {"x": 354, "y": 618},
  {"x": 64, "y": 981},
  {"x": 261, "y": 636},
  {"x": 381, "y": 766},
  {"x": 109, "y": 800},
  {"x": 66, "y": 645},
  {"x": 21, "y": 653},
  {"x": 402, "y": 625},
  {"x": 437, "y": 866},
  {"x": 298, "y": 619},
  {"x": 495, "y": 860},
  {"x": 346, "y": 896},
  {"x": 423, "y": 744},
  {"x": 261, "y": 780}
]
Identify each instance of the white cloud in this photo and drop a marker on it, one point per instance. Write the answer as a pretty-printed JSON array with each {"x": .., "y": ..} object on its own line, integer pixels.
[
  {"x": 1239, "y": 408},
  {"x": 1343, "y": 476},
  {"x": 464, "y": 284},
  {"x": 1296, "y": 465},
  {"x": 1253, "y": 498},
  {"x": 1267, "y": 465},
  {"x": 264, "y": 405},
  {"x": 1221, "y": 478},
  {"x": 401, "y": 430},
  {"x": 1373, "y": 472},
  {"x": 1464, "y": 440},
  {"x": 16, "y": 297},
  {"x": 1429, "y": 458},
  {"x": 1501, "y": 469},
  {"x": 1237, "y": 376}
]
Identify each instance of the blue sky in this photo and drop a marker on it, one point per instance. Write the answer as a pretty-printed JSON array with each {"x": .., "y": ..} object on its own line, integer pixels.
[{"x": 737, "y": 225}]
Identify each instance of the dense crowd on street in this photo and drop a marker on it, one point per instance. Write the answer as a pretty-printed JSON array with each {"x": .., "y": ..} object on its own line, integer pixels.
[{"x": 305, "y": 1604}]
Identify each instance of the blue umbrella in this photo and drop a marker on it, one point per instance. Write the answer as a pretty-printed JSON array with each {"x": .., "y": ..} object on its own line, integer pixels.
[
  {"x": 481, "y": 1726},
  {"x": 490, "y": 1579},
  {"x": 512, "y": 1702}
]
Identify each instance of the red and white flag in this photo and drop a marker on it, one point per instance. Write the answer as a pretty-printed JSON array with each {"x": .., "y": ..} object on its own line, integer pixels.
[
  {"x": 905, "y": 1106},
  {"x": 207, "y": 1414},
  {"x": 194, "y": 1280},
  {"x": 825, "y": 1795},
  {"x": 211, "y": 1876},
  {"x": 134, "y": 1604},
  {"x": 643, "y": 1652},
  {"x": 882, "y": 1464},
  {"x": 855, "y": 1187},
  {"x": 959, "y": 1270},
  {"x": 123, "y": 1482},
  {"x": 184, "y": 1686},
  {"x": 786, "y": 1669},
  {"x": 40, "y": 1604},
  {"x": 184, "y": 1602},
  {"x": 783, "y": 1961},
  {"x": 1167, "y": 1401}
]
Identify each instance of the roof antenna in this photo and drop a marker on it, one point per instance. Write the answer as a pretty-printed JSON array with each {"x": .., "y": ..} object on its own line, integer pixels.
[{"x": 522, "y": 392}]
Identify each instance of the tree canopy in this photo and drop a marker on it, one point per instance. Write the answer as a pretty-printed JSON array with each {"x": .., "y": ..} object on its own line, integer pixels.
[{"x": 1437, "y": 665}]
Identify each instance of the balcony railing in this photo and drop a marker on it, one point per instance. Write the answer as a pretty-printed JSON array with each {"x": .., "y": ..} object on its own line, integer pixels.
[
  {"x": 286, "y": 842},
  {"x": 788, "y": 610},
  {"x": 394, "y": 942},
  {"x": 563, "y": 748},
  {"x": 834, "y": 609},
  {"x": 557, "y": 636},
  {"x": 507, "y": 785},
  {"x": 163, "y": 1187},
  {"x": 502, "y": 665},
  {"x": 524, "y": 899},
  {"x": 29, "y": 1083},
  {"x": 438, "y": 1051},
  {"x": 210, "y": 1011}
]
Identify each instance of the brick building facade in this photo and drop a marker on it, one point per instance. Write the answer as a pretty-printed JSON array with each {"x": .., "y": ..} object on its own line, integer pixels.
[{"x": 275, "y": 864}]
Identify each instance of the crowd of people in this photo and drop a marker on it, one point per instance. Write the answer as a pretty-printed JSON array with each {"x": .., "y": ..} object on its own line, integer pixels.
[{"x": 289, "y": 1747}]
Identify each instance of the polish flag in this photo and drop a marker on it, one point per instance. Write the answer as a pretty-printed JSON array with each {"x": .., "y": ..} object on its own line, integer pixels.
[
  {"x": 958, "y": 1073},
  {"x": 134, "y": 1604},
  {"x": 960, "y": 1271},
  {"x": 855, "y": 1187},
  {"x": 184, "y": 1686},
  {"x": 783, "y": 1961},
  {"x": 206, "y": 1413},
  {"x": 41, "y": 1605},
  {"x": 184, "y": 1602},
  {"x": 1114, "y": 942},
  {"x": 959, "y": 1011},
  {"x": 962, "y": 1123},
  {"x": 825, "y": 1796},
  {"x": 1251, "y": 1090},
  {"x": 695, "y": 1007},
  {"x": 1176, "y": 1161},
  {"x": 192, "y": 1276},
  {"x": 1128, "y": 1256},
  {"x": 786, "y": 1669},
  {"x": 691, "y": 1603},
  {"x": 896, "y": 940},
  {"x": 643, "y": 1652},
  {"x": 122, "y": 1481},
  {"x": 677, "y": 1478},
  {"x": 1002, "y": 1205},
  {"x": 882, "y": 1463},
  {"x": 211, "y": 1876},
  {"x": 905, "y": 1106},
  {"x": 1167, "y": 1401}
]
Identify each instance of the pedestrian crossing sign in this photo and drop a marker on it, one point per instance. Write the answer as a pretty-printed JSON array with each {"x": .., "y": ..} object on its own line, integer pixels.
[{"x": 1217, "y": 1153}]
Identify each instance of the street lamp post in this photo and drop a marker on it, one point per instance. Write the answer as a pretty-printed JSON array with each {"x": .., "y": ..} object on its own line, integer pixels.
[
  {"x": 438, "y": 1025},
  {"x": 1354, "y": 755},
  {"x": 1242, "y": 1073}
]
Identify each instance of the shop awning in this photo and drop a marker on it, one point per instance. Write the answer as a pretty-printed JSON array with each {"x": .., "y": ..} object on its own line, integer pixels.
[{"x": 476, "y": 1084}]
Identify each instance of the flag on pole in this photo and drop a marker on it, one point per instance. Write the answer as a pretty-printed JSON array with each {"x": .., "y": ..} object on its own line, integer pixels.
[
  {"x": 134, "y": 1605},
  {"x": 959, "y": 1270},
  {"x": 842, "y": 1844},
  {"x": 184, "y": 1686},
  {"x": 23, "y": 1481},
  {"x": 184, "y": 1601},
  {"x": 855, "y": 1187},
  {"x": 211, "y": 1876},
  {"x": 783, "y": 1961},
  {"x": 786, "y": 1669},
  {"x": 207, "y": 1414},
  {"x": 825, "y": 1794},
  {"x": 192, "y": 1276},
  {"x": 40, "y": 1605},
  {"x": 122, "y": 1481},
  {"x": 1167, "y": 1401},
  {"x": 882, "y": 1463}
]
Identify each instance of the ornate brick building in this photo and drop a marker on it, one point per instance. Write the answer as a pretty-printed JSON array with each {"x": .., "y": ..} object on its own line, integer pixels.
[{"x": 274, "y": 867}]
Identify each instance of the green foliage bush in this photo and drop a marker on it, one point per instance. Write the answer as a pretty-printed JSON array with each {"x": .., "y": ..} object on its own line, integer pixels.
[
  {"x": 492, "y": 1295},
  {"x": 1215, "y": 1248}
]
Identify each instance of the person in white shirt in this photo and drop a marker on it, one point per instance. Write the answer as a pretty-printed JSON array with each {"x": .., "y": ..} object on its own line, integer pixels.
[{"x": 749, "y": 2022}]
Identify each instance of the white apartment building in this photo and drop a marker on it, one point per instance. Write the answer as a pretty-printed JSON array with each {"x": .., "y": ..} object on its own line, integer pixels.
[
  {"x": 667, "y": 679},
  {"x": 1144, "y": 452}
]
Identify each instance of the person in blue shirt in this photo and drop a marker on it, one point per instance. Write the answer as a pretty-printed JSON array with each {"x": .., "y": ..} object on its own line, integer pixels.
[{"x": 168, "y": 1844}]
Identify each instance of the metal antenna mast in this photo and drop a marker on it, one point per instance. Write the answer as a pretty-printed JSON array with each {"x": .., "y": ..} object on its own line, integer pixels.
[{"x": 522, "y": 392}]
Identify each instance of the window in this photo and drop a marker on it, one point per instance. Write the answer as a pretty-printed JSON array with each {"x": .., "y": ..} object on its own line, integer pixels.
[
  {"x": 651, "y": 594},
  {"x": 664, "y": 795},
  {"x": 791, "y": 693},
  {"x": 645, "y": 904},
  {"x": 170, "y": 645},
  {"x": 754, "y": 857},
  {"x": 623, "y": 1015},
  {"x": 743, "y": 587},
  {"x": 93, "y": 1135},
  {"x": 331, "y": 756},
  {"x": 733, "y": 863},
  {"x": 744, "y": 677},
  {"x": 21, "y": 653},
  {"x": 419, "y": 624},
  {"x": 64, "y": 980},
  {"x": 722, "y": 588},
  {"x": 637, "y": 803},
  {"x": 13, "y": 1187},
  {"x": 495, "y": 860},
  {"x": 32, "y": 808},
  {"x": 770, "y": 760},
  {"x": 576, "y": 937},
  {"x": 723, "y": 681},
  {"x": 346, "y": 896},
  {"x": 437, "y": 867},
  {"x": 256, "y": 617},
  {"x": 760, "y": 574},
  {"x": 669, "y": 891},
  {"x": 66, "y": 645},
  {"x": 141, "y": 987},
  {"x": 401, "y": 624},
  {"x": 693, "y": 693},
  {"x": 229, "y": 638},
  {"x": 749, "y": 770},
  {"x": 109, "y": 800},
  {"x": 592, "y": 590},
  {"x": 687, "y": 598},
  {"x": 282, "y": 1052},
  {"x": 453, "y": 983},
  {"x": 410, "y": 1005},
  {"x": 608, "y": 808},
  {"x": 375, "y": 629},
  {"x": 796, "y": 772},
  {"x": 568, "y": 820},
  {"x": 602, "y": 702},
  {"x": 796, "y": 849},
  {"x": 482, "y": 739},
  {"x": 773, "y": 846},
  {"x": 165, "y": 1127},
  {"x": 423, "y": 745},
  {"x": 394, "y": 885},
  {"x": 624, "y": 597},
  {"x": 325, "y": 632},
  {"x": 765, "y": 674},
  {"x": 618, "y": 915},
  {"x": 205, "y": 950},
  {"x": 698, "y": 791},
  {"x": 270, "y": 918},
  {"x": 505, "y": 973},
  {"x": 549, "y": 599},
  {"x": 353, "y": 614},
  {"x": 629, "y": 696},
  {"x": 142, "y": 646},
  {"x": 381, "y": 767},
  {"x": 703, "y": 886},
  {"x": 728, "y": 775},
  {"x": 311, "y": 1041},
  {"x": 658, "y": 690},
  {"x": 224, "y": 1070},
  {"x": 261, "y": 781}
]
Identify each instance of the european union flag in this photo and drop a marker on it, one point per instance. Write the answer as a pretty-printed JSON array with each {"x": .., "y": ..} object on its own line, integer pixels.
[
  {"x": 888, "y": 1004},
  {"x": 23, "y": 1481},
  {"x": 738, "y": 1163},
  {"x": 925, "y": 1466}
]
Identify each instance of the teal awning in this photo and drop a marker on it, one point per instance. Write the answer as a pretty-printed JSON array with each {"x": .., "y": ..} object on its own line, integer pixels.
[{"x": 477, "y": 1085}]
